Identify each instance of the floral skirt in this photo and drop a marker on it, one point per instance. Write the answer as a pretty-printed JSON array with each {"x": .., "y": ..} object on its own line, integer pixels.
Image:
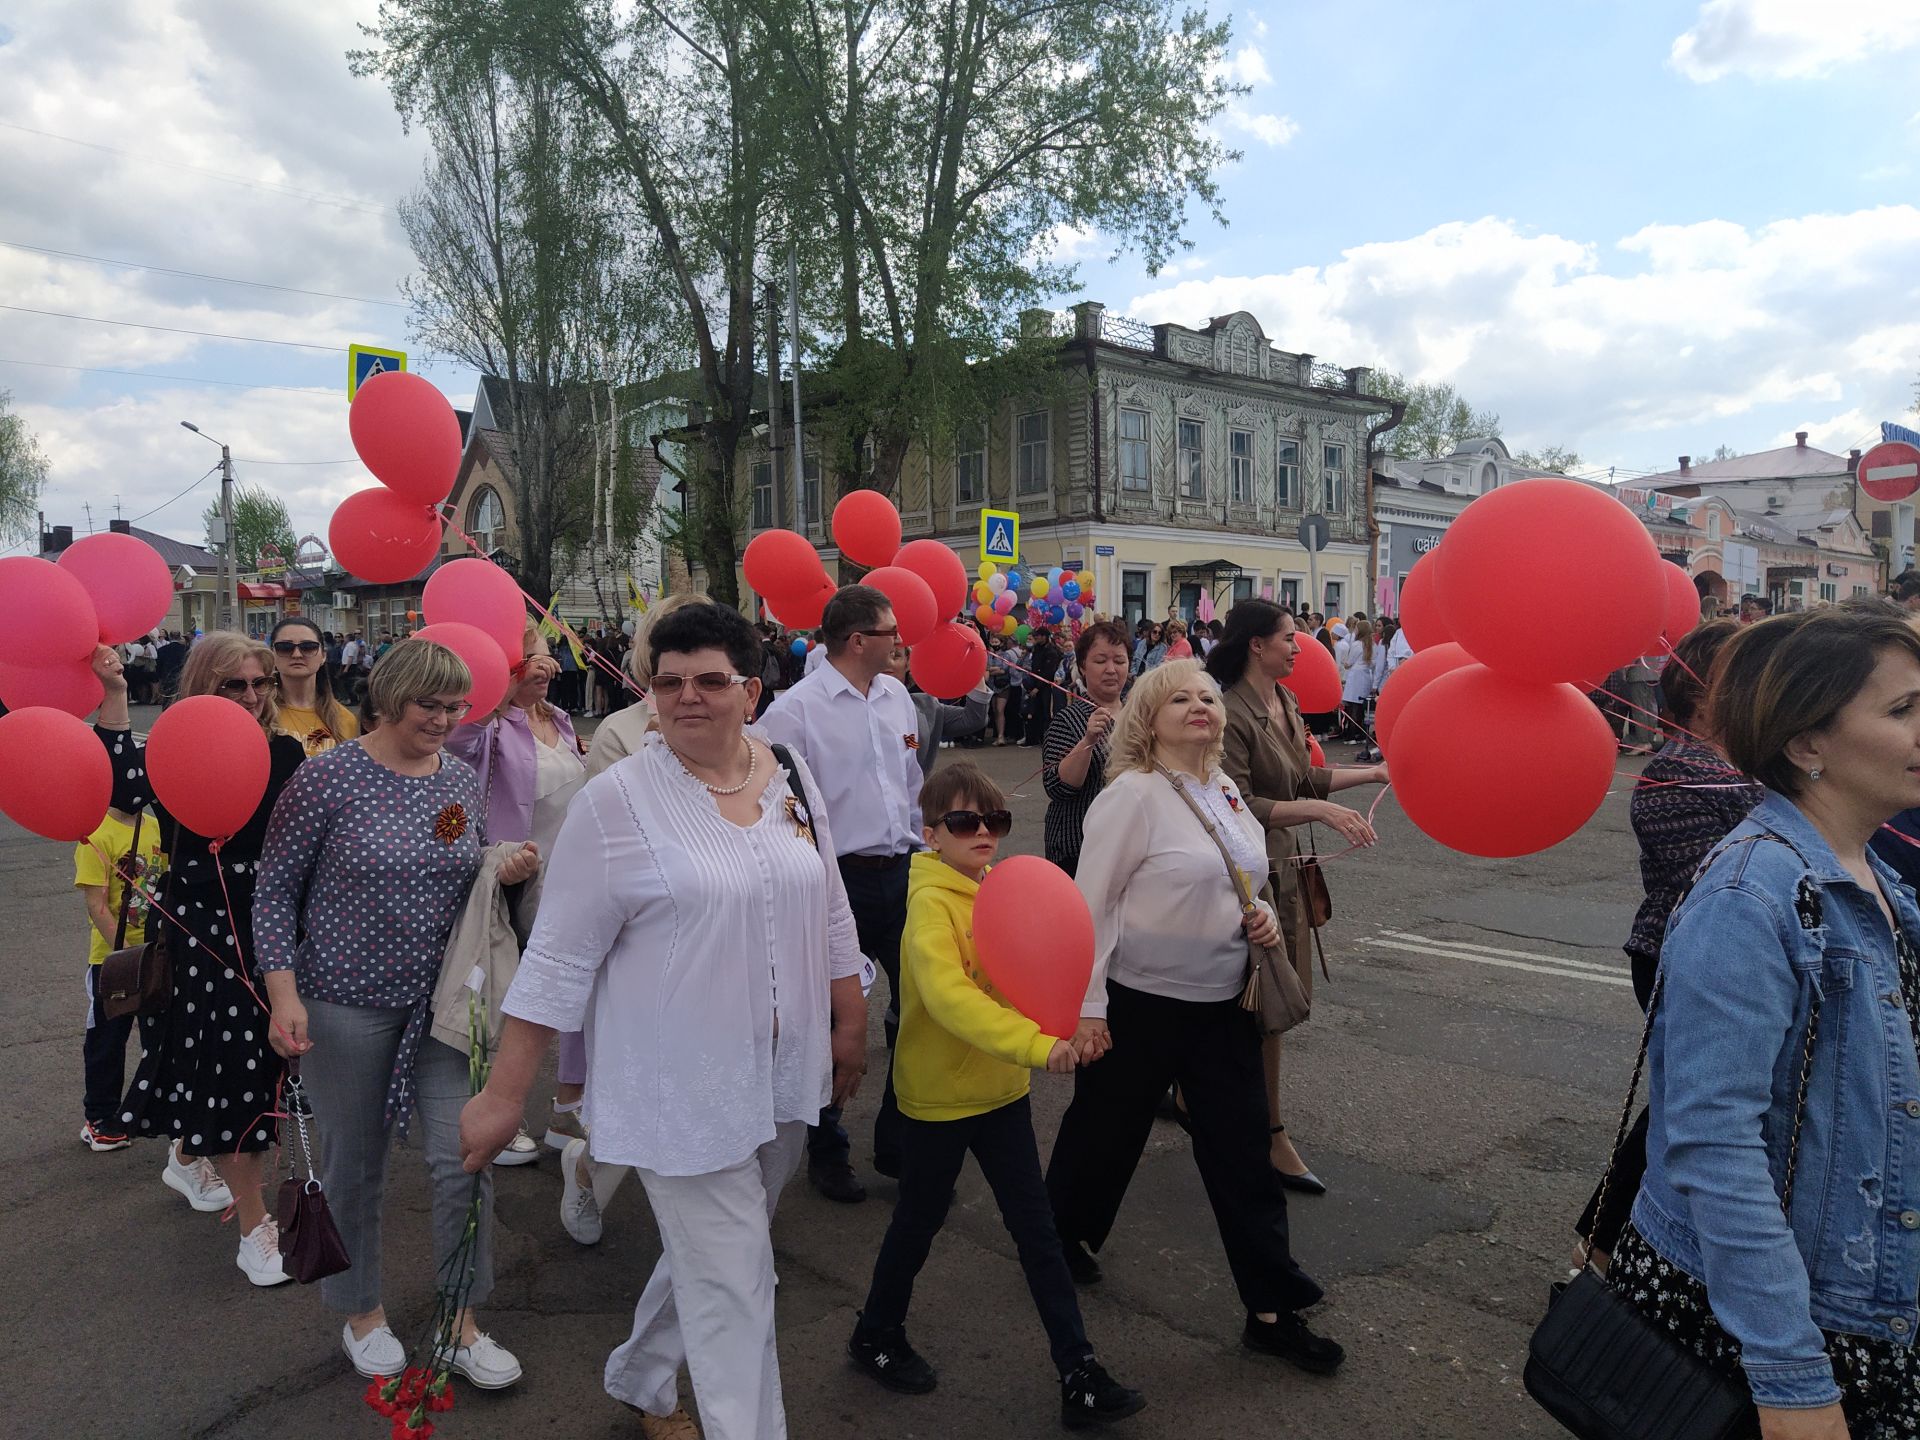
[{"x": 1879, "y": 1381}]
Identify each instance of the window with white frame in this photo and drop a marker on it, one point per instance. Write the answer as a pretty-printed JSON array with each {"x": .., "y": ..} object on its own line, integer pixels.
[
  {"x": 763, "y": 495},
  {"x": 487, "y": 520},
  {"x": 1290, "y": 594},
  {"x": 1240, "y": 464},
  {"x": 1133, "y": 596},
  {"x": 1030, "y": 457},
  {"x": 970, "y": 467},
  {"x": 1192, "y": 461},
  {"x": 1135, "y": 451},
  {"x": 1286, "y": 475},
  {"x": 1333, "y": 478},
  {"x": 810, "y": 489},
  {"x": 1336, "y": 598},
  {"x": 1242, "y": 588},
  {"x": 1713, "y": 524}
]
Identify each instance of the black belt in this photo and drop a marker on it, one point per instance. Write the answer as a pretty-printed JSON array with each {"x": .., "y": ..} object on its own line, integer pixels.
[{"x": 875, "y": 862}]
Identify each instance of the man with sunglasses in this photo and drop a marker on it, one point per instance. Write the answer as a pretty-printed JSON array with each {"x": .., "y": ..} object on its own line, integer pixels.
[{"x": 856, "y": 728}]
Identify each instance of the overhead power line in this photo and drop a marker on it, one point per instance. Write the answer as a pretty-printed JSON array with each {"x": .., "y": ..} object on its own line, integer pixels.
[
  {"x": 156, "y": 375},
  {"x": 177, "y": 330},
  {"x": 238, "y": 460},
  {"x": 197, "y": 275},
  {"x": 181, "y": 496}
]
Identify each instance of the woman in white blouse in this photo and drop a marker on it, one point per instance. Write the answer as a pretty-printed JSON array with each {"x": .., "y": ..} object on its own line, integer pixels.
[
  {"x": 1163, "y": 1006},
  {"x": 692, "y": 928}
]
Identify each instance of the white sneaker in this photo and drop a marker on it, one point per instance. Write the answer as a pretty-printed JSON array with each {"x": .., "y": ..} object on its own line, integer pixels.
[
  {"x": 579, "y": 1209},
  {"x": 198, "y": 1181},
  {"x": 486, "y": 1363},
  {"x": 378, "y": 1355},
  {"x": 102, "y": 1138},
  {"x": 260, "y": 1254},
  {"x": 523, "y": 1149}
]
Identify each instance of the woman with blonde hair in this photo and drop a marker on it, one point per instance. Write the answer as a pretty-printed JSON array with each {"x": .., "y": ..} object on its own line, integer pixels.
[
  {"x": 1163, "y": 1005},
  {"x": 208, "y": 1076},
  {"x": 618, "y": 736}
]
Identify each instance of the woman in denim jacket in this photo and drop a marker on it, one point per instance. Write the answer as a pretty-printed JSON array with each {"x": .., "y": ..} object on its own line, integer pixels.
[{"x": 1791, "y": 926}]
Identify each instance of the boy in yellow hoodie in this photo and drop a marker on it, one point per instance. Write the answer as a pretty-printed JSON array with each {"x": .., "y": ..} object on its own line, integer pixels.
[{"x": 960, "y": 1071}]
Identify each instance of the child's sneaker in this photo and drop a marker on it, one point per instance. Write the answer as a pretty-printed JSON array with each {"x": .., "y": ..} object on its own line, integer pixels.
[
  {"x": 888, "y": 1358},
  {"x": 1090, "y": 1396},
  {"x": 102, "y": 1138}
]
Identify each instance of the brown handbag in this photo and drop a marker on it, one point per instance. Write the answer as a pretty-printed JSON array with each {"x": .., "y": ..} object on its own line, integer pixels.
[
  {"x": 1273, "y": 992},
  {"x": 134, "y": 979},
  {"x": 1317, "y": 899}
]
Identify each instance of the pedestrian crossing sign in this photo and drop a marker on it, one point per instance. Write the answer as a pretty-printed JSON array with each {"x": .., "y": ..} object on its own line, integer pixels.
[
  {"x": 366, "y": 361},
  {"x": 1000, "y": 536}
]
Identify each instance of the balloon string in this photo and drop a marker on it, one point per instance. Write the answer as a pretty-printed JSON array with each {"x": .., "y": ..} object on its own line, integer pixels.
[
  {"x": 1663, "y": 721},
  {"x": 1067, "y": 691},
  {"x": 1674, "y": 655}
]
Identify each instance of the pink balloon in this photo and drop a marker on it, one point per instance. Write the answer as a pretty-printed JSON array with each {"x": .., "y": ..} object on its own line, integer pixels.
[
  {"x": 1041, "y": 969},
  {"x": 381, "y": 538},
  {"x": 478, "y": 593},
  {"x": 209, "y": 764},
  {"x": 70, "y": 686},
  {"x": 1004, "y": 602},
  {"x": 46, "y": 615},
  {"x": 485, "y": 659},
  {"x": 406, "y": 433},
  {"x": 914, "y": 608},
  {"x": 55, "y": 777},
  {"x": 131, "y": 586}
]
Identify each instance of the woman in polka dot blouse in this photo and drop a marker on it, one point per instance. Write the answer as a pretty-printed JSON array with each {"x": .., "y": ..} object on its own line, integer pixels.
[{"x": 207, "y": 1078}]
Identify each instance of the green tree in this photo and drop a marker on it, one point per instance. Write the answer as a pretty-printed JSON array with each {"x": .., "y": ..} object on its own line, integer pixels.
[
  {"x": 1438, "y": 417},
  {"x": 259, "y": 519},
  {"x": 1556, "y": 459},
  {"x": 23, "y": 474}
]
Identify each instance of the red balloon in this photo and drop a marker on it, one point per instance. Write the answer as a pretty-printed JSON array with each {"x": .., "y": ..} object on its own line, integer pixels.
[
  {"x": 783, "y": 565},
  {"x": 934, "y": 563},
  {"x": 209, "y": 764},
  {"x": 950, "y": 662},
  {"x": 382, "y": 538},
  {"x": 1683, "y": 606},
  {"x": 1408, "y": 679},
  {"x": 70, "y": 686},
  {"x": 915, "y": 610},
  {"x": 478, "y": 593},
  {"x": 1315, "y": 755},
  {"x": 806, "y": 612},
  {"x": 406, "y": 433},
  {"x": 1542, "y": 537},
  {"x": 485, "y": 659},
  {"x": 866, "y": 527},
  {"x": 131, "y": 586},
  {"x": 1420, "y": 608},
  {"x": 46, "y": 615},
  {"x": 1041, "y": 969},
  {"x": 1315, "y": 681},
  {"x": 1551, "y": 736},
  {"x": 55, "y": 778}
]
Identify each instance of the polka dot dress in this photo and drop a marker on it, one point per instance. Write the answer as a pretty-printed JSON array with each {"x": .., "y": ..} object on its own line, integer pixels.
[{"x": 207, "y": 1074}]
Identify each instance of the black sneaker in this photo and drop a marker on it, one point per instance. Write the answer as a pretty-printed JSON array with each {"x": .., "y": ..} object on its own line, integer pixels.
[
  {"x": 1090, "y": 1396},
  {"x": 1081, "y": 1265},
  {"x": 836, "y": 1182},
  {"x": 888, "y": 1358},
  {"x": 1290, "y": 1339}
]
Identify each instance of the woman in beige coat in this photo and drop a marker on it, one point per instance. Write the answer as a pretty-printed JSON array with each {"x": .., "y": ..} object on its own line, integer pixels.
[{"x": 1266, "y": 755}]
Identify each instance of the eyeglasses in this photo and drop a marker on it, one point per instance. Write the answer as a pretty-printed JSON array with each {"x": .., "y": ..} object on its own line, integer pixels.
[
  {"x": 711, "y": 682},
  {"x": 430, "y": 708},
  {"x": 296, "y": 647},
  {"x": 237, "y": 687},
  {"x": 968, "y": 822},
  {"x": 892, "y": 634}
]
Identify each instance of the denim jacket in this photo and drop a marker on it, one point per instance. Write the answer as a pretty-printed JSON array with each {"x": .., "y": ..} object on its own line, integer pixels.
[{"x": 1769, "y": 926}]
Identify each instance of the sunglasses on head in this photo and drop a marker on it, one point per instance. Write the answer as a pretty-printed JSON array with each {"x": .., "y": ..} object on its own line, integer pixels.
[
  {"x": 237, "y": 686},
  {"x": 969, "y": 822},
  {"x": 296, "y": 647}
]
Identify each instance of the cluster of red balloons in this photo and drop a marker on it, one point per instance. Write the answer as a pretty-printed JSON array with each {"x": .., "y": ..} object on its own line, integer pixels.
[
  {"x": 1486, "y": 680},
  {"x": 475, "y": 609},
  {"x": 406, "y": 433},
  {"x": 923, "y": 580}
]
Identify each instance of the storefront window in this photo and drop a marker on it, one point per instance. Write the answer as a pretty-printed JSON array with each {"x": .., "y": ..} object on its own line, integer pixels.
[{"x": 1133, "y": 596}]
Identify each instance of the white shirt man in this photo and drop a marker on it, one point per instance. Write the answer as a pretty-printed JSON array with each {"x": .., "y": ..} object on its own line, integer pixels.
[{"x": 350, "y": 654}]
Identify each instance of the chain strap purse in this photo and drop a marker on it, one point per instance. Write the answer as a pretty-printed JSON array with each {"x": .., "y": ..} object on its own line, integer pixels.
[
  {"x": 135, "y": 979},
  {"x": 1605, "y": 1371},
  {"x": 310, "y": 1245}
]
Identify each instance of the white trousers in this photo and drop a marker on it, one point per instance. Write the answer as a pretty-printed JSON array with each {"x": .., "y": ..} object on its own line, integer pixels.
[{"x": 709, "y": 1303}]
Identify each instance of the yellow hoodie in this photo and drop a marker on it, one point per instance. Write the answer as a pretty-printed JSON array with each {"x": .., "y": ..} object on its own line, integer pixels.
[{"x": 962, "y": 1049}]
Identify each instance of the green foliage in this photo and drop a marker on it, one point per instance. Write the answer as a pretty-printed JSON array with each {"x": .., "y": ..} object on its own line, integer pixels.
[
  {"x": 1438, "y": 417},
  {"x": 259, "y": 519},
  {"x": 1554, "y": 458},
  {"x": 23, "y": 474}
]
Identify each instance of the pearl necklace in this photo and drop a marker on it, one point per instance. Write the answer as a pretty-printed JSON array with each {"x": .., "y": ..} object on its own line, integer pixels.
[{"x": 753, "y": 765}]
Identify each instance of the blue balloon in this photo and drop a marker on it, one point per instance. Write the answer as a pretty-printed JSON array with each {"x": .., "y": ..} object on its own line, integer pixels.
[
  {"x": 1071, "y": 589},
  {"x": 1015, "y": 580},
  {"x": 1053, "y": 575},
  {"x": 799, "y": 647}
]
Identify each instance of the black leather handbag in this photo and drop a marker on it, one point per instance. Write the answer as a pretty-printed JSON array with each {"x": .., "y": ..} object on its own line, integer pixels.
[
  {"x": 1602, "y": 1368},
  {"x": 310, "y": 1245}
]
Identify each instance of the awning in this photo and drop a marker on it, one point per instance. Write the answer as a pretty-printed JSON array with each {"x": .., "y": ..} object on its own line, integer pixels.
[{"x": 262, "y": 591}]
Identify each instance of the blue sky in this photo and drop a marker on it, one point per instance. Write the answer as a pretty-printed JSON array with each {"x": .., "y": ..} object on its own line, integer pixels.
[{"x": 1635, "y": 228}]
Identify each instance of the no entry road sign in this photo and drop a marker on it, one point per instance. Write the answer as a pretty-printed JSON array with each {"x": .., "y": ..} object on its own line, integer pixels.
[{"x": 1890, "y": 470}]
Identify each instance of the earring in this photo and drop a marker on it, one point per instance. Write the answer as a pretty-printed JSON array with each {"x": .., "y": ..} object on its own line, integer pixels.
[{"x": 1814, "y": 773}]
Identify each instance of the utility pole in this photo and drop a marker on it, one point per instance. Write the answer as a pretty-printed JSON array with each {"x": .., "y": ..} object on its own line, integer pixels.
[
  {"x": 774, "y": 447},
  {"x": 793, "y": 326},
  {"x": 230, "y": 580}
]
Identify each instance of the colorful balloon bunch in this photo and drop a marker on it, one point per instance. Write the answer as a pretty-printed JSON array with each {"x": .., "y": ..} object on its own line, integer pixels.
[
  {"x": 1482, "y": 669},
  {"x": 406, "y": 433},
  {"x": 1056, "y": 597}
]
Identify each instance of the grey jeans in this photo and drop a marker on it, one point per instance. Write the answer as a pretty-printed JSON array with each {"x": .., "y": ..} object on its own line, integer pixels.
[{"x": 346, "y": 1079}]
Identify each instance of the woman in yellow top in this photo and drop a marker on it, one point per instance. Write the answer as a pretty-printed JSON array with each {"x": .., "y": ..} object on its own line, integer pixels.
[
  {"x": 308, "y": 711},
  {"x": 960, "y": 1072}
]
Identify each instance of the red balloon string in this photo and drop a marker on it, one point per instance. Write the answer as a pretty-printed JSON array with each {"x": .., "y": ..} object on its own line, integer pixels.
[{"x": 1674, "y": 656}]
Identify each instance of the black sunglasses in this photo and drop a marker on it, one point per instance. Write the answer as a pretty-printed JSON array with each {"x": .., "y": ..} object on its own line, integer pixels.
[
  {"x": 291, "y": 647},
  {"x": 968, "y": 822}
]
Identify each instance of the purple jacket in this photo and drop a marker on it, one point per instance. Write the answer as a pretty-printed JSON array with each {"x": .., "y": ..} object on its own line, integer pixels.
[{"x": 502, "y": 753}]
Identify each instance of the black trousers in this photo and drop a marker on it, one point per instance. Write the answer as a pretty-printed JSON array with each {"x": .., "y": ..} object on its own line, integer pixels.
[
  {"x": 931, "y": 1154},
  {"x": 103, "y": 1048},
  {"x": 878, "y": 899},
  {"x": 1213, "y": 1050},
  {"x": 1039, "y": 714}
]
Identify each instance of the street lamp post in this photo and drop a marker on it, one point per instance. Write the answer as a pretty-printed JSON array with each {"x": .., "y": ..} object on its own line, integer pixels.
[{"x": 229, "y": 566}]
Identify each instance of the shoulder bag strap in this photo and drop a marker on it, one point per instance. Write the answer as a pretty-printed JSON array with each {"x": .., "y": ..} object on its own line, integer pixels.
[
  {"x": 126, "y": 867},
  {"x": 1200, "y": 813}
]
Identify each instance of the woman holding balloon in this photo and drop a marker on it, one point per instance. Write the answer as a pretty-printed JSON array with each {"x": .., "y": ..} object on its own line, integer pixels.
[
  {"x": 1073, "y": 768},
  {"x": 208, "y": 1076}
]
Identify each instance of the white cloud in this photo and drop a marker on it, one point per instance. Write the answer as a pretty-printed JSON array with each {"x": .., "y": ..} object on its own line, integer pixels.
[
  {"x": 1790, "y": 39},
  {"x": 1267, "y": 129},
  {"x": 1248, "y": 66},
  {"x": 1595, "y": 345}
]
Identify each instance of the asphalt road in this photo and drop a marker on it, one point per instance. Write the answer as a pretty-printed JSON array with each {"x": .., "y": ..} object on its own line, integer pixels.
[{"x": 1455, "y": 1087}]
